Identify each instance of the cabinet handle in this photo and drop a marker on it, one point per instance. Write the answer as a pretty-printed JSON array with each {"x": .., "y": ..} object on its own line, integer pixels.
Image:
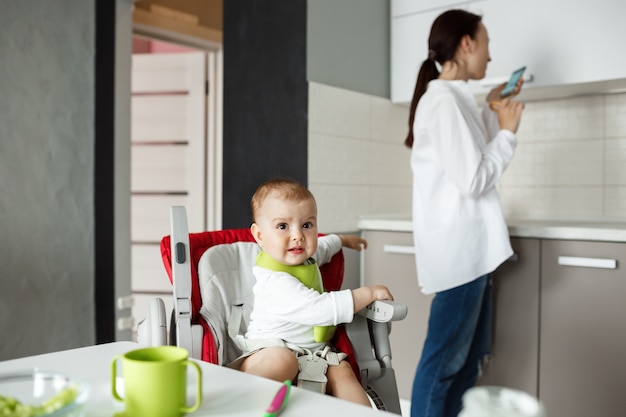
[
  {"x": 588, "y": 262},
  {"x": 493, "y": 81},
  {"x": 400, "y": 249}
]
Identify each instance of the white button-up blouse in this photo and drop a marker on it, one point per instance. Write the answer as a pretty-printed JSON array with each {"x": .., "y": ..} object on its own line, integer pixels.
[{"x": 458, "y": 156}]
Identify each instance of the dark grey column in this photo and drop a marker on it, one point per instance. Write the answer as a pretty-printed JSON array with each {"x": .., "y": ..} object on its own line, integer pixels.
[{"x": 265, "y": 99}]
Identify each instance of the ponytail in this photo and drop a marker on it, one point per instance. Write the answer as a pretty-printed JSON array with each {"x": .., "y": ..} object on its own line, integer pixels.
[{"x": 428, "y": 72}]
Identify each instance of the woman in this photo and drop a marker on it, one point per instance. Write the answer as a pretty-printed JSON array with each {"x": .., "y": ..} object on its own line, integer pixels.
[{"x": 457, "y": 157}]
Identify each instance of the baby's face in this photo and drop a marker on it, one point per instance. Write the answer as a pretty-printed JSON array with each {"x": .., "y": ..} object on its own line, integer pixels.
[{"x": 287, "y": 230}]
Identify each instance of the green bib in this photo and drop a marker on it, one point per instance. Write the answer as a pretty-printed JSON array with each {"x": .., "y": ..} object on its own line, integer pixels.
[{"x": 309, "y": 275}]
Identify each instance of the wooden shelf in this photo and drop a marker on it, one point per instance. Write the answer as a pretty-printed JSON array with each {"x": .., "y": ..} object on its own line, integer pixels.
[{"x": 147, "y": 18}]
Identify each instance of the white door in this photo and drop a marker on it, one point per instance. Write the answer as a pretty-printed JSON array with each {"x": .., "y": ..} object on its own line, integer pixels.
[{"x": 169, "y": 163}]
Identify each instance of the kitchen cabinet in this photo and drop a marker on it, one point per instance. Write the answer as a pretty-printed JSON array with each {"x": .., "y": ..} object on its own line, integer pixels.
[
  {"x": 514, "y": 357},
  {"x": 582, "y": 368},
  {"x": 559, "y": 312},
  {"x": 568, "y": 47},
  {"x": 558, "y": 325},
  {"x": 390, "y": 260},
  {"x": 548, "y": 38}
]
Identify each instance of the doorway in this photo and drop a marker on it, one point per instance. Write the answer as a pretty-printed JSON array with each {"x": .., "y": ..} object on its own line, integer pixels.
[{"x": 176, "y": 152}]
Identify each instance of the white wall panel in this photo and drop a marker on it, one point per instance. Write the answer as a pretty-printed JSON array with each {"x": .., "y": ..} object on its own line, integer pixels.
[
  {"x": 160, "y": 118},
  {"x": 148, "y": 270},
  {"x": 150, "y": 216},
  {"x": 161, "y": 169}
]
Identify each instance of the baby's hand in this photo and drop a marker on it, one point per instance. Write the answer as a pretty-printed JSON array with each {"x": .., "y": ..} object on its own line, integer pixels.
[
  {"x": 380, "y": 292},
  {"x": 366, "y": 295},
  {"x": 353, "y": 242}
]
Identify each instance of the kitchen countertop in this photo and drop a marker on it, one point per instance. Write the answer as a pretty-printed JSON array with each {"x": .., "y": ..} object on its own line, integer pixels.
[{"x": 584, "y": 229}]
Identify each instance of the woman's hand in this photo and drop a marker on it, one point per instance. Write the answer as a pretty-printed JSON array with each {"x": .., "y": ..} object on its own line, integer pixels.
[
  {"x": 510, "y": 114},
  {"x": 509, "y": 111}
]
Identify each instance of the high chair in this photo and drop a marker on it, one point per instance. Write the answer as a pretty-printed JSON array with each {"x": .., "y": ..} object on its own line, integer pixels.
[{"x": 211, "y": 273}]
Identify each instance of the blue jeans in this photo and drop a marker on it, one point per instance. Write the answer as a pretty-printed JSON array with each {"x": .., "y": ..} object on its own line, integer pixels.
[{"x": 459, "y": 336}]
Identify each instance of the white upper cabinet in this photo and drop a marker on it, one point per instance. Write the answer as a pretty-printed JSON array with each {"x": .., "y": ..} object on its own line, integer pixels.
[{"x": 568, "y": 47}]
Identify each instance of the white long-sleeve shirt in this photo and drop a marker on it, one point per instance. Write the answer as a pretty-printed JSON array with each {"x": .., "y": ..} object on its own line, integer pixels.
[
  {"x": 284, "y": 308},
  {"x": 458, "y": 156}
]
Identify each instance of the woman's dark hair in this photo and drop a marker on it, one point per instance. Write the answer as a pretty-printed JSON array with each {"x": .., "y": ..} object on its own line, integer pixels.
[{"x": 445, "y": 36}]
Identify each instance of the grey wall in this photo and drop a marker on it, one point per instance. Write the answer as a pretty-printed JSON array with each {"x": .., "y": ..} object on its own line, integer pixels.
[
  {"x": 348, "y": 44},
  {"x": 46, "y": 175}
]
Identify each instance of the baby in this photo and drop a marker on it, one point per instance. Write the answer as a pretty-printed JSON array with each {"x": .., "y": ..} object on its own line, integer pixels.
[{"x": 289, "y": 300}]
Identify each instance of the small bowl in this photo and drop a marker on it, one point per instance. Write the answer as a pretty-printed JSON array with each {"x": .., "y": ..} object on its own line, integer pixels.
[{"x": 40, "y": 393}]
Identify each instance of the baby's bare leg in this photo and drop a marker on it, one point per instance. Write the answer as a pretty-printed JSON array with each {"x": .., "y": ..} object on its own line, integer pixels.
[
  {"x": 277, "y": 363},
  {"x": 342, "y": 383}
]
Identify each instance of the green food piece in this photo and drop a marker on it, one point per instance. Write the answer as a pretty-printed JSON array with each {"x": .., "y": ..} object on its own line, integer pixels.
[
  {"x": 59, "y": 400},
  {"x": 11, "y": 407}
]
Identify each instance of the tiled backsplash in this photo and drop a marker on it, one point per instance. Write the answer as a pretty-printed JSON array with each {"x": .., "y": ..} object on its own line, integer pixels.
[
  {"x": 570, "y": 161},
  {"x": 357, "y": 162}
]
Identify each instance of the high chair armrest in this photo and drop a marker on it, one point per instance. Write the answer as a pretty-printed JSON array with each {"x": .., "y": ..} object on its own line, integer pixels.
[
  {"x": 384, "y": 311},
  {"x": 372, "y": 351}
]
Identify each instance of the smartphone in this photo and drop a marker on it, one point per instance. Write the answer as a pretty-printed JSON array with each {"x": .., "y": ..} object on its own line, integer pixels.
[{"x": 512, "y": 83}]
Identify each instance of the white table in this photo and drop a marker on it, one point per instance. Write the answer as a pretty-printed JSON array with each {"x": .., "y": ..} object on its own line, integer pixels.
[{"x": 225, "y": 392}]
